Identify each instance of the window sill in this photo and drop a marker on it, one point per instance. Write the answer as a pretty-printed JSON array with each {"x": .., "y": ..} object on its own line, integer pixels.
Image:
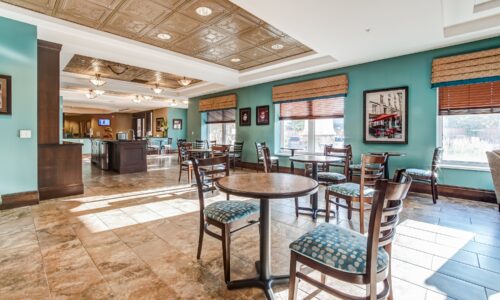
[{"x": 464, "y": 167}]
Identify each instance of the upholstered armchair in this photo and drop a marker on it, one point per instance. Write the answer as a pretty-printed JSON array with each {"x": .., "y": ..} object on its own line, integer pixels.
[{"x": 494, "y": 161}]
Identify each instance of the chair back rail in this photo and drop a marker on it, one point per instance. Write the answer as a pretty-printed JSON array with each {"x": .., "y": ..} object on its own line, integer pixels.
[
  {"x": 238, "y": 147},
  {"x": 208, "y": 167},
  {"x": 345, "y": 153},
  {"x": 437, "y": 157},
  {"x": 266, "y": 156},
  {"x": 386, "y": 206},
  {"x": 258, "y": 148},
  {"x": 220, "y": 150},
  {"x": 200, "y": 144},
  {"x": 183, "y": 152}
]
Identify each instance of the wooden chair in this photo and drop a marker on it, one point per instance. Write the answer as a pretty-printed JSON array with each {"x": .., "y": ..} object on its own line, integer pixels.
[
  {"x": 237, "y": 154},
  {"x": 274, "y": 159},
  {"x": 429, "y": 176},
  {"x": 354, "y": 192},
  {"x": 167, "y": 146},
  {"x": 200, "y": 144},
  {"x": 152, "y": 147},
  {"x": 369, "y": 258},
  {"x": 185, "y": 163},
  {"x": 268, "y": 168},
  {"x": 327, "y": 177},
  {"x": 228, "y": 216},
  {"x": 221, "y": 150},
  {"x": 212, "y": 143}
]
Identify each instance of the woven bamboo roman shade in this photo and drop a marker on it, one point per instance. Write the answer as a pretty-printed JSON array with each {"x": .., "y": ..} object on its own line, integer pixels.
[
  {"x": 312, "y": 89},
  {"x": 470, "y": 98},
  {"x": 314, "y": 109},
  {"x": 218, "y": 103},
  {"x": 482, "y": 66},
  {"x": 221, "y": 116}
]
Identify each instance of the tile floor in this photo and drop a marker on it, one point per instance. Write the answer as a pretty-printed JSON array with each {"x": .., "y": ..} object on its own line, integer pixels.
[{"x": 134, "y": 237}]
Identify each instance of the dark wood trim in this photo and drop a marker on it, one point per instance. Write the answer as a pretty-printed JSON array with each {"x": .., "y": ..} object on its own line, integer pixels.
[
  {"x": 60, "y": 191},
  {"x": 19, "y": 199},
  {"x": 416, "y": 187},
  {"x": 49, "y": 45}
]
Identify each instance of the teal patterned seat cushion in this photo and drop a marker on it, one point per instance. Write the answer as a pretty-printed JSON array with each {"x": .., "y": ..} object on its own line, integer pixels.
[
  {"x": 229, "y": 211},
  {"x": 419, "y": 173},
  {"x": 350, "y": 189},
  {"x": 339, "y": 248},
  {"x": 331, "y": 176}
]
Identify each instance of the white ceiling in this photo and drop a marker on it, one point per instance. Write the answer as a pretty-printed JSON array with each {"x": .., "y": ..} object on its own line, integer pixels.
[{"x": 342, "y": 32}]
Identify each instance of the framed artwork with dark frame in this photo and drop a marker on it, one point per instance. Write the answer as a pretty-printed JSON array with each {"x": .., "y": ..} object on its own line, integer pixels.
[
  {"x": 159, "y": 124},
  {"x": 5, "y": 95},
  {"x": 177, "y": 124},
  {"x": 245, "y": 116},
  {"x": 262, "y": 115},
  {"x": 385, "y": 116}
]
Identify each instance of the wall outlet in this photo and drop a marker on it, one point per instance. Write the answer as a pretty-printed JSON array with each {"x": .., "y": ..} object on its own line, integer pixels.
[{"x": 25, "y": 134}]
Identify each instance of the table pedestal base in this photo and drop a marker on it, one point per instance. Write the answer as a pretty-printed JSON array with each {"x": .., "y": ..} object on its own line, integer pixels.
[{"x": 265, "y": 284}]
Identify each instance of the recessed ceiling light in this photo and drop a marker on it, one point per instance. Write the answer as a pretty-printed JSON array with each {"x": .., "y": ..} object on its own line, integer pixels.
[
  {"x": 147, "y": 98},
  {"x": 99, "y": 92},
  {"x": 136, "y": 99},
  {"x": 203, "y": 11},
  {"x": 277, "y": 46},
  {"x": 164, "y": 36},
  {"x": 235, "y": 60},
  {"x": 368, "y": 29}
]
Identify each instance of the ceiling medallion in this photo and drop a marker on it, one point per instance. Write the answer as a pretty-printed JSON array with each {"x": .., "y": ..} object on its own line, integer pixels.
[
  {"x": 164, "y": 36},
  {"x": 157, "y": 89},
  {"x": 97, "y": 81},
  {"x": 235, "y": 60},
  {"x": 184, "y": 81},
  {"x": 118, "y": 69},
  {"x": 204, "y": 11},
  {"x": 277, "y": 46}
]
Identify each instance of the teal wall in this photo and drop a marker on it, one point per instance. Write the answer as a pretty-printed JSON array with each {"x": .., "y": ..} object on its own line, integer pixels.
[
  {"x": 18, "y": 58},
  {"x": 412, "y": 70},
  {"x": 177, "y": 113}
]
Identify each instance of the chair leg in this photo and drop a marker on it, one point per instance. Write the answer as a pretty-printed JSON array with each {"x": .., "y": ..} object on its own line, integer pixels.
[
  {"x": 226, "y": 253},
  {"x": 278, "y": 166},
  {"x": 436, "y": 190},
  {"x": 327, "y": 208},
  {"x": 200, "y": 239},
  {"x": 227, "y": 197},
  {"x": 190, "y": 174},
  {"x": 293, "y": 285},
  {"x": 180, "y": 173},
  {"x": 296, "y": 207},
  {"x": 433, "y": 191},
  {"x": 349, "y": 209},
  {"x": 388, "y": 249},
  {"x": 362, "y": 220},
  {"x": 337, "y": 206}
]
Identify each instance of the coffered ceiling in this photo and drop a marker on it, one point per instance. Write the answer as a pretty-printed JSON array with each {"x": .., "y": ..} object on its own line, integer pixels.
[
  {"x": 229, "y": 36},
  {"x": 85, "y": 65}
]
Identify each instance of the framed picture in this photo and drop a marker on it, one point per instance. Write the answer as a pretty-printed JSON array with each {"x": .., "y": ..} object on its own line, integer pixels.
[
  {"x": 386, "y": 116},
  {"x": 5, "y": 95},
  {"x": 245, "y": 116},
  {"x": 262, "y": 115},
  {"x": 177, "y": 124},
  {"x": 159, "y": 124}
]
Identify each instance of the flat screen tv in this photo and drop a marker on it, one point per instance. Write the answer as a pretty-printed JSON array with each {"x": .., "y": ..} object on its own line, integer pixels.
[{"x": 104, "y": 122}]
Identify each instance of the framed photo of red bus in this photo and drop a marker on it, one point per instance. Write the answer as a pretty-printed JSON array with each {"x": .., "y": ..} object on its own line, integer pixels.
[{"x": 386, "y": 116}]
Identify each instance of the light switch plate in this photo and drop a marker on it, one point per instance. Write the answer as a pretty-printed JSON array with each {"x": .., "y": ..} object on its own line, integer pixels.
[{"x": 25, "y": 134}]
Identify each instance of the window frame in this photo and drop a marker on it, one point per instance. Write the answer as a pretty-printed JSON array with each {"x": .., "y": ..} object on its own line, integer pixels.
[{"x": 224, "y": 129}]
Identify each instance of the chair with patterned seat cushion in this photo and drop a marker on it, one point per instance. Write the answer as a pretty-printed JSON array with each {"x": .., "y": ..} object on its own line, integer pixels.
[
  {"x": 185, "y": 163},
  {"x": 429, "y": 176},
  {"x": 350, "y": 256},
  {"x": 328, "y": 177},
  {"x": 236, "y": 154},
  {"x": 260, "y": 158},
  {"x": 361, "y": 192},
  {"x": 228, "y": 216}
]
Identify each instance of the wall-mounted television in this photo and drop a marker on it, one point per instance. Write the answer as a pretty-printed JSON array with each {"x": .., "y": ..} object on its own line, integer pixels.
[{"x": 104, "y": 122}]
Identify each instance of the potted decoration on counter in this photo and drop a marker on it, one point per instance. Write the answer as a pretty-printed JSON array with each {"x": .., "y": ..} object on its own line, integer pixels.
[{"x": 164, "y": 128}]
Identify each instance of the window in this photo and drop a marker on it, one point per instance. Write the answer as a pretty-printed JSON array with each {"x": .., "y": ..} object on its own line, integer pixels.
[
  {"x": 310, "y": 125},
  {"x": 221, "y": 126},
  {"x": 469, "y": 122}
]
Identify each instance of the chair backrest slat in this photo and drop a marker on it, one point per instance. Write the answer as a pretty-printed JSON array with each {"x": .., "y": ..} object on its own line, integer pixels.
[
  {"x": 238, "y": 147},
  {"x": 437, "y": 158},
  {"x": 200, "y": 144},
  {"x": 386, "y": 205},
  {"x": 183, "y": 152},
  {"x": 345, "y": 153},
  {"x": 266, "y": 154},
  {"x": 258, "y": 148}
]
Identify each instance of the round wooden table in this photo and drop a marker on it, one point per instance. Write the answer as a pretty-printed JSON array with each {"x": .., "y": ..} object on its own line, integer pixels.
[
  {"x": 292, "y": 152},
  {"x": 314, "y": 160},
  {"x": 386, "y": 165},
  {"x": 265, "y": 186}
]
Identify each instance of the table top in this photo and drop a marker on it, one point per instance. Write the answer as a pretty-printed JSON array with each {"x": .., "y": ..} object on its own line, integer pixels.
[
  {"x": 315, "y": 158},
  {"x": 267, "y": 185},
  {"x": 389, "y": 153},
  {"x": 199, "y": 150}
]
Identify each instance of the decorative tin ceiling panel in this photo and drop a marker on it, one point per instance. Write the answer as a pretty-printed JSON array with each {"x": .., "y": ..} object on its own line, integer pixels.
[
  {"x": 226, "y": 34},
  {"x": 107, "y": 69}
]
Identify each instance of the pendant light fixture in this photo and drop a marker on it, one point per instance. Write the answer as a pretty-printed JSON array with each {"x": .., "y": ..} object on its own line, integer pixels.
[
  {"x": 91, "y": 94},
  {"x": 157, "y": 89},
  {"x": 97, "y": 80},
  {"x": 184, "y": 81}
]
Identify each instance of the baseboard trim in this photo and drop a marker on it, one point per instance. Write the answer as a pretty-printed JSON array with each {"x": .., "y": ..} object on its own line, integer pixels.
[
  {"x": 416, "y": 187},
  {"x": 60, "y": 191},
  {"x": 19, "y": 199}
]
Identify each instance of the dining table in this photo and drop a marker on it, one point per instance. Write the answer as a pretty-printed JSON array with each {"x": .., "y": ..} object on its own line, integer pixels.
[
  {"x": 292, "y": 153},
  {"x": 265, "y": 187},
  {"x": 314, "y": 160}
]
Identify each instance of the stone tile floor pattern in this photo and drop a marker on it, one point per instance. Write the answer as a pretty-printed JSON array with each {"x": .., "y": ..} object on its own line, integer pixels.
[{"x": 134, "y": 236}]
